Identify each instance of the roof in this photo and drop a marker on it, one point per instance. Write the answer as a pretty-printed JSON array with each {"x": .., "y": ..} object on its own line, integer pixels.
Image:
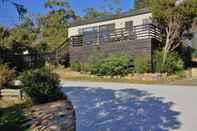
[{"x": 113, "y": 17}]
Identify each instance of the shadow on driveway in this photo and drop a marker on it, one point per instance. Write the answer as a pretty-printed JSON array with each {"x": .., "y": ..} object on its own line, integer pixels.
[{"x": 100, "y": 109}]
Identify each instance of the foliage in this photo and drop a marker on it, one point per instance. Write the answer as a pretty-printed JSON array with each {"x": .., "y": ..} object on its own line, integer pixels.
[
  {"x": 52, "y": 3},
  {"x": 41, "y": 85},
  {"x": 4, "y": 33},
  {"x": 76, "y": 66},
  {"x": 11, "y": 118},
  {"x": 173, "y": 64},
  {"x": 19, "y": 8},
  {"x": 53, "y": 28},
  {"x": 117, "y": 64},
  {"x": 23, "y": 34},
  {"x": 140, "y": 4},
  {"x": 141, "y": 64},
  {"x": 6, "y": 75},
  {"x": 194, "y": 52},
  {"x": 108, "y": 8},
  {"x": 175, "y": 17},
  {"x": 91, "y": 13}
]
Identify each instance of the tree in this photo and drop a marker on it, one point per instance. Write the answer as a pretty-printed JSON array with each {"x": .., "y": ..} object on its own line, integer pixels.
[
  {"x": 176, "y": 18},
  {"x": 20, "y": 35},
  {"x": 109, "y": 8},
  {"x": 19, "y": 8},
  {"x": 139, "y": 4},
  {"x": 53, "y": 27},
  {"x": 91, "y": 13},
  {"x": 4, "y": 33}
]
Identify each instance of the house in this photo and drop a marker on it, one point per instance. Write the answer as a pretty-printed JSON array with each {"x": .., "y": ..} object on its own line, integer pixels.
[{"x": 132, "y": 32}]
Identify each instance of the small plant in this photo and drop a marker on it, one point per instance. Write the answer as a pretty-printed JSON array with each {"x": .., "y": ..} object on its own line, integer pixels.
[
  {"x": 118, "y": 64},
  {"x": 41, "y": 85},
  {"x": 11, "y": 117},
  {"x": 194, "y": 53},
  {"x": 76, "y": 66},
  {"x": 173, "y": 64},
  {"x": 6, "y": 76},
  {"x": 141, "y": 64}
]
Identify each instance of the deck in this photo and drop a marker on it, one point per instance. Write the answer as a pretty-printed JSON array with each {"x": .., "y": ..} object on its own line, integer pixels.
[{"x": 138, "y": 40}]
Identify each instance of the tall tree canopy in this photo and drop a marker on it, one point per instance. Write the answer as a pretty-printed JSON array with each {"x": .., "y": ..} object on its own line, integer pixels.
[
  {"x": 19, "y": 7},
  {"x": 176, "y": 17},
  {"x": 91, "y": 13},
  {"x": 108, "y": 8},
  {"x": 22, "y": 34},
  {"x": 53, "y": 27},
  {"x": 139, "y": 4}
]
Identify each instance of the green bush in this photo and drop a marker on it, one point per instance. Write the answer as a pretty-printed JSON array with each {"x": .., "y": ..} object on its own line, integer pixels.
[
  {"x": 173, "y": 64},
  {"x": 6, "y": 75},
  {"x": 41, "y": 85},
  {"x": 194, "y": 53},
  {"x": 118, "y": 64},
  {"x": 11, "y": 117},
  {"x": 141, "y": 64},
  {"x": 76, "y": 66}
]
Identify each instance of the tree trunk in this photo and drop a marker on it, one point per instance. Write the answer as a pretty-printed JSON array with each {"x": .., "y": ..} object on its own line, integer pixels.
[
  {"x": 173, "y": 38},
  {"x": 167, "y": 44}
]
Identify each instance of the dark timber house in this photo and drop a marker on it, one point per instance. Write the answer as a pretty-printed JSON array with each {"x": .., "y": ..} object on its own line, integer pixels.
[{"x": 132, "y": 32}]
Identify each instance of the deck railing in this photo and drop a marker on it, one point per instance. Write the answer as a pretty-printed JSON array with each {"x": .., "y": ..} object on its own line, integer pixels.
[{"x": 121, "y": 34}]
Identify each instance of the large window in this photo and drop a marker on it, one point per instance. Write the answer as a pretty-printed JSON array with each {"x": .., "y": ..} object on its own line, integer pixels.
[
  {"x": 92, "y": 34},
  {"x": 106, "y": 30}
]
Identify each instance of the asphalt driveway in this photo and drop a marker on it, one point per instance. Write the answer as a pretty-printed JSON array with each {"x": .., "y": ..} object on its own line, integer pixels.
[{"x": 128, "y": 107}]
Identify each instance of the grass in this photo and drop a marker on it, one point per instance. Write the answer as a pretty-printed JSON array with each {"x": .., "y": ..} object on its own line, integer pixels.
[
  {"x": 67, "y": 74},
  {"x": 12, "y": 115}
]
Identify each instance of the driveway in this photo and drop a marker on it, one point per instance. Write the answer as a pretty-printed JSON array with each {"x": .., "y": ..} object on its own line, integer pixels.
[
  {"x": 132, "y": 107},
  {"x": 187, "y": 82}
]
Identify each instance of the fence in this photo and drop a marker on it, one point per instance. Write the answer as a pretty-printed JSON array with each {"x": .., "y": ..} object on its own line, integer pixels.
[
  {"x": 121, "y": 34},
  {"x": 12, "y": 93}
]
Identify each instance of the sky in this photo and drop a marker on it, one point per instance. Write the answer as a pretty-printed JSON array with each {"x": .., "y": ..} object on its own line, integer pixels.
[{"x": 9, "y": 16}]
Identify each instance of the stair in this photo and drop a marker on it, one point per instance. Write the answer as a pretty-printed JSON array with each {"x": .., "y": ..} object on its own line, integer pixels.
[{"x": 61, "y": 52}]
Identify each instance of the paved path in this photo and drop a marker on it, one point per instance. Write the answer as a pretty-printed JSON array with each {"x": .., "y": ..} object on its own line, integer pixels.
[{"x": 127, "y": 107}]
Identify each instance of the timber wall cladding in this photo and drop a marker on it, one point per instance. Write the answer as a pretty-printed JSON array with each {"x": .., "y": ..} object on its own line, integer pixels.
[{"x": 132, "y": 47}]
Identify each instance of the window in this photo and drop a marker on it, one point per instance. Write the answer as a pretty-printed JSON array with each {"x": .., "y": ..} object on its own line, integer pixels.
[
  {"x": 88, "y": 30},
  {"x": 129, "y": 25},
  {"x": 106, "y": 30},
  {"x": 108, "y": 27}
]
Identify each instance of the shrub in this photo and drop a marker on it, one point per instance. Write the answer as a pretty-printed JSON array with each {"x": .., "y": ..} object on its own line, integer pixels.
[
  {"x": 141, "y": 64},
  {"x": 76, "y": 66},
  {"x": 173, "y": 64},
  {"x": 118, "y": 64},
  {"x": 194, "y": 53},
  {"x": 6, "y": 75},
  {"x": 41, "y": 85}
]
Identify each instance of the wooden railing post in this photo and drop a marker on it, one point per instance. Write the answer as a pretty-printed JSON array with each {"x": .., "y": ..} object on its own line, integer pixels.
[{"x": 136, "y": 32}]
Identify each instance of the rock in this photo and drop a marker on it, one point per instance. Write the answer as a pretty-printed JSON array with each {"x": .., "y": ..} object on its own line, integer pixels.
[{"x": 54, "y": 116}]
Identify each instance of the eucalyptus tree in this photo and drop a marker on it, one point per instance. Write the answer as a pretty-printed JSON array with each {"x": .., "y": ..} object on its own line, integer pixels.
[
  {"x": 19, "y": 7},
  {"x": 176, "y": 16},
  {"x": 53, "y": 27},
  {"x": 139, "y": 4}
]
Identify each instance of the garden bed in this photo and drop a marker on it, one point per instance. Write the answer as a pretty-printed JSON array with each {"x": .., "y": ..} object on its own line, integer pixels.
[{"x": 12, "y": 114}]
